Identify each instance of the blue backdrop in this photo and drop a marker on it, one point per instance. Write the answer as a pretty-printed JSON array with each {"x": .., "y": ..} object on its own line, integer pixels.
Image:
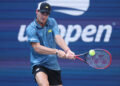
[{"x": 96, "y": 26}]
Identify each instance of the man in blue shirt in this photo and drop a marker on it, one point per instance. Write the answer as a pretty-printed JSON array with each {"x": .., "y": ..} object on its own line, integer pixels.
[{"x": 43, "y": 34}]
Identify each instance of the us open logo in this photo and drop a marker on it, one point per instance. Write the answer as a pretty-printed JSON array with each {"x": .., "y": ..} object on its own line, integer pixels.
[
  {"x": 89, "y": 33},
  {"x": 70, "y": 7}
]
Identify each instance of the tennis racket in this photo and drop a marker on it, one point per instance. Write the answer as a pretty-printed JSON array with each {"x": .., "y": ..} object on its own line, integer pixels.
[{"x": 101, "y": 60}]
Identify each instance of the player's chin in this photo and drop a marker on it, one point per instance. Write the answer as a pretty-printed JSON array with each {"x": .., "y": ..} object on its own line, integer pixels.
[{"x": 43, "y": 21}]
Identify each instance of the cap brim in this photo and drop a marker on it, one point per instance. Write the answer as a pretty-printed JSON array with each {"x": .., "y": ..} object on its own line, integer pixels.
[{"x": 44, "y": 11}]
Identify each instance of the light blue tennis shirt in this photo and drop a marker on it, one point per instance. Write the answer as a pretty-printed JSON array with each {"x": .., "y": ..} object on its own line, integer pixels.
[{"x": 46, "y": 37}]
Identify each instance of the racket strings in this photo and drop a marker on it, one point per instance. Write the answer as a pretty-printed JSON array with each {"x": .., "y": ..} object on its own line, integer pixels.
[{"x": 100, "y": 60}]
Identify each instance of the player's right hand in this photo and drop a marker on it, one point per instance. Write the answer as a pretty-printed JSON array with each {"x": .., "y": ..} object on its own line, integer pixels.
[
  {"x": 70, "y": 55},
  {"x": 61, "y": 54}
]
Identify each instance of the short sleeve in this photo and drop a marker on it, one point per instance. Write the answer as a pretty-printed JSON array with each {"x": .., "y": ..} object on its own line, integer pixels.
[
  {"x": 56, "y": 30},
  {"x": 31, "y": 34}
]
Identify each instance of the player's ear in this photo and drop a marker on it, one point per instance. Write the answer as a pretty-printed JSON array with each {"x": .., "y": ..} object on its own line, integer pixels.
[{"x": 37, "y": 12}]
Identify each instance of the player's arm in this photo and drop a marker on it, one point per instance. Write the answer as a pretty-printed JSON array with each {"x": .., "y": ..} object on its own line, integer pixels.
[
  {"x": 60, "y": 41},
  {"x": 42, "y": 49},
  {"x": 45, "y": 50}
]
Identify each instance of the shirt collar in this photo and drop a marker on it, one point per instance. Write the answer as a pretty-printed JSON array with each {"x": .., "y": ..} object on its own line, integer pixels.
[{"x": 39, "y": 26}]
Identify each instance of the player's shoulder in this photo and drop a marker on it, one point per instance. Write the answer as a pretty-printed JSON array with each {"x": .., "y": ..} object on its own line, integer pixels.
[
  {"x": 51, "y": 20},
  {"x": 31, "y": 27}
]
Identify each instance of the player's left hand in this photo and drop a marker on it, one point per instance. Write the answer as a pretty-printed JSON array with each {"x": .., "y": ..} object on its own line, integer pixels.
[{"x": 70, "y": 54}]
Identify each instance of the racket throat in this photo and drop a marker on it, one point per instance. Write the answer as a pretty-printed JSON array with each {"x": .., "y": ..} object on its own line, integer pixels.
[{"x": 81, "y": 59}]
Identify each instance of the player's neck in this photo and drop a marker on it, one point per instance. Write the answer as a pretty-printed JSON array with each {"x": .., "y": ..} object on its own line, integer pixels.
[{"x": 41, "y": 24}]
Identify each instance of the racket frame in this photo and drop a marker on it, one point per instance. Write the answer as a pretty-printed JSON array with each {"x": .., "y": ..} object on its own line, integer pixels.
[{"x": 83, "y": 60}]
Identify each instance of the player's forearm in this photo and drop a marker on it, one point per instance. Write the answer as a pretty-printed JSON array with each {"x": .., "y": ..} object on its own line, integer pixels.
[
  {"x": 44, "y": 50},
  {"x": 59, "y": 40}
]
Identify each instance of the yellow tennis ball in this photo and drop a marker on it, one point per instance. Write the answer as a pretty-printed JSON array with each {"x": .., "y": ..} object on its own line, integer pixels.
[{"x": 91, "y": 52}]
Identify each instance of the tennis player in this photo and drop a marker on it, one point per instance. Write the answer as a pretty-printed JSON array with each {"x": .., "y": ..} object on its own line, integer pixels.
[{"x": 43, "y": 35}]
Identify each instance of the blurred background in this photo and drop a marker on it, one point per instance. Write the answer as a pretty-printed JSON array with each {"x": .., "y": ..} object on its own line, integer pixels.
[{"x": 84, "y": 24}]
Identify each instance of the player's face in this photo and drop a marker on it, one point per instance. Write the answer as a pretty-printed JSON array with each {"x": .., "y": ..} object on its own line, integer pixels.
[{"x": 42, "y": 16}]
